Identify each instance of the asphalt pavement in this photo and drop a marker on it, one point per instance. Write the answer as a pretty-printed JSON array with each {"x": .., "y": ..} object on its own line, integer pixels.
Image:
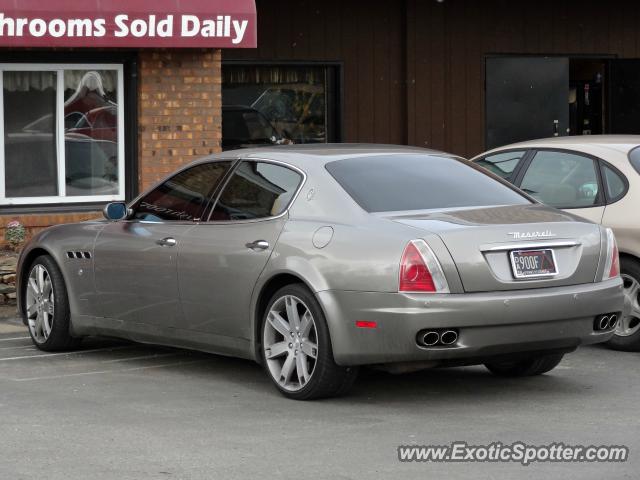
[{"x": 117, "y": 410}]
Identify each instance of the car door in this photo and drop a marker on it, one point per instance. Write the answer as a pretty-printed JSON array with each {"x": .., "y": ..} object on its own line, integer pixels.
[
  {"x": 526, "y": 98},
  {"x": 220, "y": 260},
  {"x": 136, "y": 259},
  {"x": 566, "y": 180}
]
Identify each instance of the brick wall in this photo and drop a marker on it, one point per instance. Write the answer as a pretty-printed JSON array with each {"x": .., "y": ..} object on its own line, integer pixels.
[
  {"x": 179, "y": 120},
  {"x": 180, "y": 110}
]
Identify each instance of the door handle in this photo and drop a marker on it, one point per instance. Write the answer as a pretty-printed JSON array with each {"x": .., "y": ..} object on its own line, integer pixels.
[
  {"x": 167, "y": 242},
  {"x": 258, "y": 245}
]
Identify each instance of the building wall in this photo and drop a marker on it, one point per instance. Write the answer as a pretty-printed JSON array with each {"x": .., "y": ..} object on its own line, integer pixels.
[
  {"x": 368, "y": 37},
  {"x": 447, "y": 43},
  {"x": 414, "y": 69},
  {"x": 179, "y": 120},
  {"x": 179, "y": 116}
]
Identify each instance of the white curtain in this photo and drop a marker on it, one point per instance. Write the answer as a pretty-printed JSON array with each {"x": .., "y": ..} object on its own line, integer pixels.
[{"x": 18, "y": 81}]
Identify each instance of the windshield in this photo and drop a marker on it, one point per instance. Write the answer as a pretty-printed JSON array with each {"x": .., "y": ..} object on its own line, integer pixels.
[{"x": 389, "y": 183}]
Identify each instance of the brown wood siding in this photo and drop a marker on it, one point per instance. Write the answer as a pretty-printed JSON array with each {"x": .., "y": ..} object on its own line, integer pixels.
[
  {"x": 464, "y": 31},
  {"x": 367, "y": 37},
  {"x": 414, "y": 69}
]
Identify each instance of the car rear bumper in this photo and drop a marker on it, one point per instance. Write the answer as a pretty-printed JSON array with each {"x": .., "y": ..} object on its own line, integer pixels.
[{"x": 489, "y": 324}]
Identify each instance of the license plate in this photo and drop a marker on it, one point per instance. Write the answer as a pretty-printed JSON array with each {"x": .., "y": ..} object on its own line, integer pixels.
[{"x": 533, "y": 263}]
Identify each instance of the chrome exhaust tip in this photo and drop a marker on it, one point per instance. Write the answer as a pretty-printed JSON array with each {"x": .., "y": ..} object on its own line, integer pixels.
[
  {"x": 430, "y": 338},
  {"x": 603, "y": 324},
  {"x": 449, "y": 337},
  {"x": 613, "y": 321}
]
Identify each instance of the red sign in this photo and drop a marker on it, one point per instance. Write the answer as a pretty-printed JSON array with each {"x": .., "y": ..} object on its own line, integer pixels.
[{"x": 128, "y": 23}]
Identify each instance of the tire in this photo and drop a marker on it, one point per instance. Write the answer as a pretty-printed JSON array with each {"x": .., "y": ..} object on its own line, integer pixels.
[
  {"x": 627, "y": 334},
  {"x": 46, "y": 306},
  {"x": 282, "y": 344},
  {"x": 525, "y": 368}
]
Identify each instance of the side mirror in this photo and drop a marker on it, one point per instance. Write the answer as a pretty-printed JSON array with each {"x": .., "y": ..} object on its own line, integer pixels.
[{"x": 116, "y": 211}]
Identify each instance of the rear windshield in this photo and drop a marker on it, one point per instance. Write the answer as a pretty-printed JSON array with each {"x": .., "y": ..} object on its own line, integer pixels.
[
  {"x": 419, "y": 182},
  {"x": 634, "y": 157}
]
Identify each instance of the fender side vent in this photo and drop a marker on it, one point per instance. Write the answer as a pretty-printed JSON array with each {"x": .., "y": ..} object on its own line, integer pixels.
[{"x": 79, "y": 255}]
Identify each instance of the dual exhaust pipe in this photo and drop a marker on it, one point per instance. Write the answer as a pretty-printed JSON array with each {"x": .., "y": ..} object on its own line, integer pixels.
[
  {"x": 433, "y": 338},
  {"x": 606, "y": 322}
]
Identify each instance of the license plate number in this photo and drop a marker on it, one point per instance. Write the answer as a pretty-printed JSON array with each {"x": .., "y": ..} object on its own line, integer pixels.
[{"x": 533, "y": 263}]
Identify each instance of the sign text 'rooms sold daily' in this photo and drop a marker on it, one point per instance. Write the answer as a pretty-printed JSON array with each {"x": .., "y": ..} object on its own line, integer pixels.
[{"x": 221, "y": 26}]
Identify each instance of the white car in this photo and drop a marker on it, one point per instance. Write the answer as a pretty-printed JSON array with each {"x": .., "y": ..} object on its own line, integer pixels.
[{"x": 596, "y": 177}]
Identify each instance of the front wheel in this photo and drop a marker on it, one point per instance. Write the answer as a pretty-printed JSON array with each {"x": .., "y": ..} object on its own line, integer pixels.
[
  {"x": 525, "y": 368},
  {"x": 46, "y": 306},
  {"x": 296, "y": 347}
]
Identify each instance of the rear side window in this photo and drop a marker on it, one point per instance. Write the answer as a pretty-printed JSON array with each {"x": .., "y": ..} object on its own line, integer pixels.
[
  {"x": 419, "y": 182},
  {"x": 502, "y": 164},
  {"x": 634, "y": 157},
  {"x": 616, "y": 186},
  {"x": 184, "y": 196},
  {"x": 256, "y": 190}
]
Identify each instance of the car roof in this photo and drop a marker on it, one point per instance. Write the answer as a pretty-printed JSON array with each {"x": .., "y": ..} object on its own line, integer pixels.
[
  {"x": 620, "y": 143},
  {"x": 323, "y": 153}
]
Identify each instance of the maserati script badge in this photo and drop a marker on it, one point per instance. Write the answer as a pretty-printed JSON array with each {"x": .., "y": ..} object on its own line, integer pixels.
[{"x": 530, "y": 235}]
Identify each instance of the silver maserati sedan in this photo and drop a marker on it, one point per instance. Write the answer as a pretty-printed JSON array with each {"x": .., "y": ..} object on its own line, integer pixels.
[{"x": 315, "y": 260}]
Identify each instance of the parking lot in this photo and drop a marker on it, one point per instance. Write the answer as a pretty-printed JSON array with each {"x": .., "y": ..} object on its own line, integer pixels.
[{"x": 120, "y": 410}]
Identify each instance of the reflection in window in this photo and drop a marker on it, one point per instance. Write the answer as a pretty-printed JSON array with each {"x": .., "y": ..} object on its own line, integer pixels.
[
  {"x": 184, "y": 196},
  {"x": 91, "y": 132},
  {"x": 61, "y": 134},
  {"x": 292, "y": 99},
  {"x": 256, "y": 190},
  {"x": 30, "y": 134}
]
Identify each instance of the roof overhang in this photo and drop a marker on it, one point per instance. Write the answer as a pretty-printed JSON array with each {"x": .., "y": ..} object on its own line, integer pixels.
[{"x": 128, "y": 23}]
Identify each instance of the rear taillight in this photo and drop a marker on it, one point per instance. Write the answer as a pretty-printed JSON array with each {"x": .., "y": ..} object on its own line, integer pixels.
[
  {"x": 420, "y": 270},
  {"x": 612, "y": 264}
]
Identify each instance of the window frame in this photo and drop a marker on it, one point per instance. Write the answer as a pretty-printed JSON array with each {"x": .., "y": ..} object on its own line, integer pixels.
[
  {"x": 62, "y": 199},
  {"x": 602, "y": 196},
  {"x": 216, "y": 196}
]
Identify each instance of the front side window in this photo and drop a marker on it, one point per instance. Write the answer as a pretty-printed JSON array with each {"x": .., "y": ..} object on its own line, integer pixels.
[
  {"x": 419, "y": 182},
  {"x": 502, "y": 164},
  {"x": 256, "y": 190},
  {"x": 184, "y": 196},
  {"x": 62, "y": 131},
  {"x": 562, "y": 180}
]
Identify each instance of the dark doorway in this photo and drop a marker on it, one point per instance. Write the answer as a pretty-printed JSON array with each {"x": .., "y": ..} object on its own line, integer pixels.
[
  {"x": 540, "y": 97},
  {"x": 624, "y": 94}
]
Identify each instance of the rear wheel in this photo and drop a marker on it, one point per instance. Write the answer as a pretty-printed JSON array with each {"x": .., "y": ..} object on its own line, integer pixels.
[
  {"x": 525, "y": 368},
  {"x": 46, "y": 306},
  {"x": 627, "y": 335},
  {"x": 296, "y": 347}
]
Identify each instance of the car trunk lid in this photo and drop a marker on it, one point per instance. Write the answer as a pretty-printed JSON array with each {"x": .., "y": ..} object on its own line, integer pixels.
[{"x": 480, "y": 241}]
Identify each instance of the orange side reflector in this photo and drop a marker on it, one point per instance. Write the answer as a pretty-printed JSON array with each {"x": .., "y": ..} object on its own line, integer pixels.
[{"x": 366, "y": 324}]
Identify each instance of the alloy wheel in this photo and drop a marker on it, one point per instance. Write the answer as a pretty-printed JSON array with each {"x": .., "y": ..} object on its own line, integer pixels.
[
  {"x": 290, "y": 343},
  {"x": 629, "y": 324},
  {"x": 40, "y": 303}
]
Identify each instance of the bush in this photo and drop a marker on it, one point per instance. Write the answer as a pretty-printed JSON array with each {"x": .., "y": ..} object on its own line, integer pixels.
[{"x": 15, "y": 234}]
